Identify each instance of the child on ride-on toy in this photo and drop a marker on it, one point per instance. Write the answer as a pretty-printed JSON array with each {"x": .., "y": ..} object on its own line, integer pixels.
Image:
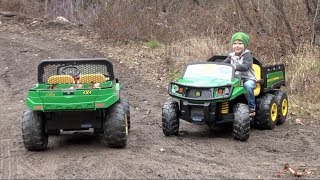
[{"x": 242, "y": 59}]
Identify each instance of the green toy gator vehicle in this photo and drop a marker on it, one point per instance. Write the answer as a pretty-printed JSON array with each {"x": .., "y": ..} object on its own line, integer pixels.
[
  {"x": 75, "y": 94},
  {"x": 209, "y": 93}
]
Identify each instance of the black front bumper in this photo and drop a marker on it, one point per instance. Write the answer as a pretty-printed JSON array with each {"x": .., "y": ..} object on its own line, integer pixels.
[{"x": 198, "y": 113}]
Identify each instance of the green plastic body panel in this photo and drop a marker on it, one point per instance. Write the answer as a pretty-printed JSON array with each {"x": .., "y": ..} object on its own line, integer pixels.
[
  {"x": 237, "y": 91},
  {"x": 235, "y": 86},
  {"x": 66, "y": 98},
  {"x": 274, "y": 77}
]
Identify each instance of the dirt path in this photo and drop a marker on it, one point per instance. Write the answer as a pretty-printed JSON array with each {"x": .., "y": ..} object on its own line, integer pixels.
[{"x": 196, "y": 153}]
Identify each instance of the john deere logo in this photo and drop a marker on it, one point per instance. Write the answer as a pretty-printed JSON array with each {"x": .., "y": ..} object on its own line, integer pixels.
[
  {"x": 275, "y": 79},
  {"x": 198, "y": 93},
  {"x": 87, "y": 92},
  {"x": 239, "y": 37}
]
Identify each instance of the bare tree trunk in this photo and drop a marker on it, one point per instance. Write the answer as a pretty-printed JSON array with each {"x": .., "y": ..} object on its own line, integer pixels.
[
  {"x": 313, "y": 12},
  {"x": 311, "y": 8},
  {"x": 260, "y": 27},
  {"x": 281, "y": 16},
  {"x": 315, "y": 27},
  {"x": 246, "y": 16}
]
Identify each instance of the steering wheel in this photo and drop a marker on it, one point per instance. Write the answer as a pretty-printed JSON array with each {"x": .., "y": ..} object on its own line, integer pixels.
[{"x": 70, "y": 70}]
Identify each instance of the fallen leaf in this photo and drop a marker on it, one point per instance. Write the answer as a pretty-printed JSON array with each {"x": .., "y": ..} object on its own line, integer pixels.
[
  {"x": 286, "y": 166},
  {"x": 278, "y": 174},
  {"x": 298, "y": 121}
]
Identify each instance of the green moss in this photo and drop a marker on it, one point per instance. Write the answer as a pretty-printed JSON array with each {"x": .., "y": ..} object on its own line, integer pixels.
[{"x": 152, "y": 44}]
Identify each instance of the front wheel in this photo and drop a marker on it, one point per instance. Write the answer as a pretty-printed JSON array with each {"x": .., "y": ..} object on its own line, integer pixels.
[
  {"x": 115, "y": 126},
  {"x": 170, "y": 118},
  {"x": 241, "y": 122}
]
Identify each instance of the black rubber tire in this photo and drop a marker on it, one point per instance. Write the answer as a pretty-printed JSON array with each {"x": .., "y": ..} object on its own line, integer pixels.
[
  {"x": 126, "y": 105},
  {"x": 34, "y": 135},
  {"x": 263, "y": 118},
  {"x": 170, "y": 118},
  {"x": 115, "y": 134},
  {"x": 241, "y": 122},
  {"x": 282, "y": 100}
]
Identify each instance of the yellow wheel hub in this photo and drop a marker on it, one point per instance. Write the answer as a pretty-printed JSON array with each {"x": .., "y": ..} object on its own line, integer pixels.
[
  {"x": 284, "y": 107},
  {"x": 273, "y": 112}
]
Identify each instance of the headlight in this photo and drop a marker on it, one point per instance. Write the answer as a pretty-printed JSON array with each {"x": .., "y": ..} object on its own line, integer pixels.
[
  {"x": 177, "y": 89},
  {"x": 181, "y": 90},
  {"x": 223, "y": 91},
  {"x": 226, "y": 91}
]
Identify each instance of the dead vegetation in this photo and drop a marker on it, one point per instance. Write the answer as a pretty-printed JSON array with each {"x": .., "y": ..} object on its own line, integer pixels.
[{"x": 194, "y": 30}]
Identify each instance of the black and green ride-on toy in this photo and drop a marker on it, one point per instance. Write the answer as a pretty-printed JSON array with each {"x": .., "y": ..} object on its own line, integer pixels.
[
  {"x": 210, "y": 93},
  {"x": 73, "y": 95}
]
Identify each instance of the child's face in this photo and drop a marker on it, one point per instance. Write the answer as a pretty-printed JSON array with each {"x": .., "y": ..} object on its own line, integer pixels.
[{"x": 238, "y": 47}]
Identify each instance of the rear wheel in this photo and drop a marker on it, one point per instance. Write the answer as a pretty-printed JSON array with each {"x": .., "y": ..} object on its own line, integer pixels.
[
  {"x": 33, "y": 131},
  {"x": 170, "y": 118},
  {"x": 115, "y": 127},
  {"x": 267, "y": 112},
  {"x": 241, "y": 122},
  {"x": 282, "y": 102}
]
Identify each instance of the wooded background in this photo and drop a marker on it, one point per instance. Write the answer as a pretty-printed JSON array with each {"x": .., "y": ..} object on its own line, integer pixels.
[{"x": 276, "y": 26}]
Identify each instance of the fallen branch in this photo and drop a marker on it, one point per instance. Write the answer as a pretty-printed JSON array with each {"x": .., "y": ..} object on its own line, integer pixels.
[
  {"x": 7, "y": 14},
  {"x": 293, "y": 172}
]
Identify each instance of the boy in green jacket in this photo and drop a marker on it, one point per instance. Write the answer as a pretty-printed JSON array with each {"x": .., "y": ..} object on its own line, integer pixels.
[{"x": 241, "y": 58}]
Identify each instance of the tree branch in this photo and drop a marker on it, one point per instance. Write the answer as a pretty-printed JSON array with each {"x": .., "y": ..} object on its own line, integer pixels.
[{"x": 313, "y": 24}]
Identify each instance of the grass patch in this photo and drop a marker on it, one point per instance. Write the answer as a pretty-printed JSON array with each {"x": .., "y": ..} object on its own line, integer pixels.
[{"x": 153, "y": 44}]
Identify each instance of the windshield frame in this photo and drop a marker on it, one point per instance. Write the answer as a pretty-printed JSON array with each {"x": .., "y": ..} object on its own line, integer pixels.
[{"x": 217, "y": 63}]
